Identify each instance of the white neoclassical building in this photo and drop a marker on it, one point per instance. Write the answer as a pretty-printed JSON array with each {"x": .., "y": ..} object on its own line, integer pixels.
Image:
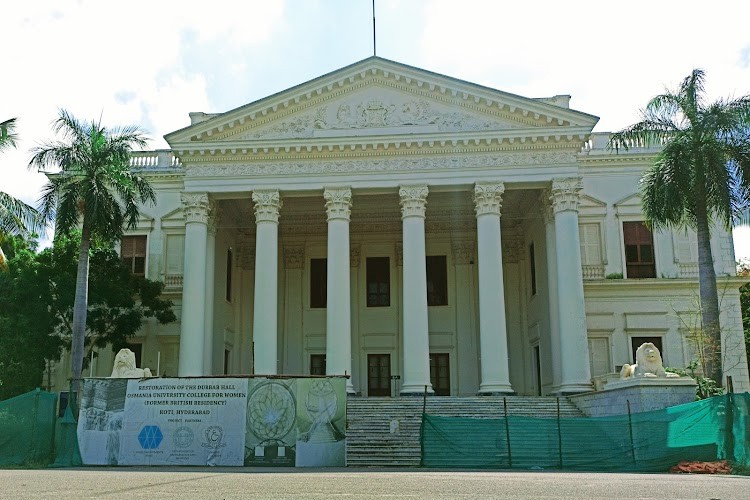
[{"x": 413, "y": 230}]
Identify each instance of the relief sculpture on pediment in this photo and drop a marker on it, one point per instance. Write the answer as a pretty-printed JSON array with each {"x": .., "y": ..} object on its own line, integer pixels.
[{"x": 375, "y": 113}]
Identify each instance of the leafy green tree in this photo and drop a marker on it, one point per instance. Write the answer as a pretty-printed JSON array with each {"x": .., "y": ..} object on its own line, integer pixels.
[
  {"x": 701, "y": 175},
  {"x": 16, "y": 217},
  {"x": 91, "y": 187},
  {"x": 37, "y": 298}
]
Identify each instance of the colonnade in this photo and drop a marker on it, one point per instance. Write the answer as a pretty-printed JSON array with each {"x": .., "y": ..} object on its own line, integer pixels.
[{"x": 568, "y": 323}]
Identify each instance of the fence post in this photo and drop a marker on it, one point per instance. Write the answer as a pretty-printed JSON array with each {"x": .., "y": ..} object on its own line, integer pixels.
[
  {"x": 729, "y": 437},
  {"x": 507, "y": 432},
  {"x": 559, "y": 434},
  {"x": 630, "y": 427},
  {"x": 424, "y": 401}
]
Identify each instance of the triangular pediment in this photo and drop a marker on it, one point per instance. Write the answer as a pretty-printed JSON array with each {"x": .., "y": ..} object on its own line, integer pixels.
[
  {"x": 630, "y": 205},
  {"x": 588, "y": 205},
  {"x": 377, "y": 97}
]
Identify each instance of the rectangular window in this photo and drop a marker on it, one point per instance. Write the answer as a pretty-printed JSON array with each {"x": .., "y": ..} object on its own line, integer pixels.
[
  {"x": 317, "y": 364},
  {"x": 175, "y": 259},
  {"x": 318, "y": 283},
  {"x": 532, "y": 265},
  {"x": 133, "y": 254},
  {"x": 591, "y": 254},
  {"x": 437, "y": 280},
  {"x": 230, "y": 265},
  {"x": 639, "y": 250},
  {"x": 378, "y": 282}
]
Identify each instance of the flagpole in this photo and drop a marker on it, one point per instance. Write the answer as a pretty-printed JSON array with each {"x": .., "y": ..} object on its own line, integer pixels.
[{"x": 374, "y": 46}]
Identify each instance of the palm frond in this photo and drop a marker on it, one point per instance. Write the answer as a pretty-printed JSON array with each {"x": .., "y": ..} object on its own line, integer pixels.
[
  {"x": 8, "y": 135},
  {"x": 18, "y": 218}
]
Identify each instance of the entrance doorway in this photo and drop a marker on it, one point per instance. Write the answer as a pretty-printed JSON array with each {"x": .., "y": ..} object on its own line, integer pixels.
[
  {"x": 378, "y": 374},
  {"x": 440, "y": 374}
]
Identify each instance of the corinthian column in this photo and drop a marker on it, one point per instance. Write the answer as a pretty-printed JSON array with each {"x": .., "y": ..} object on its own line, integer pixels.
[
  {"x": 416, "y": 333},
  {"x": 265, "y": 332},
  {"x": 192, "y": 321},
  {"x": 493, "y": 335},
  {"x": 338, "y": 308},
  {"x": 575, "y": 375}
]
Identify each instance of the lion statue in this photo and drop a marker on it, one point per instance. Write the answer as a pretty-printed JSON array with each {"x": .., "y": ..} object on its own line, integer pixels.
[
  {"x": 648, "y": 363},
  {"x": 125, "y": 366}
]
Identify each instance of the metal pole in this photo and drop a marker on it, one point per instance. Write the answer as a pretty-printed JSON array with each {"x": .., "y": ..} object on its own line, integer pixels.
[
  {"x": 630, "y": 426},
  {"x": 730, "y": 420},
  {"x": 424, "y": 401},
  {"x": 559, "y": 434},
  {"x": 507, "y": 432},
  {"x": 374, "y": 45}
]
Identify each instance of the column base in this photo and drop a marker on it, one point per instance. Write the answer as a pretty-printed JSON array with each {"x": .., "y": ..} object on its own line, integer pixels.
[
  {"x": 495, "y": 389},
  {"x": 415, "y": 390},
  {"x": 568, "y": 389}
]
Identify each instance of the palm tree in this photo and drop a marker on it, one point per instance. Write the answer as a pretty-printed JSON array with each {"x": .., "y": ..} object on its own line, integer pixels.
[
  {"x": 701, "y": 175},
  {"x": 91, "y": 188},
  {"x": 16, "y": 217}
]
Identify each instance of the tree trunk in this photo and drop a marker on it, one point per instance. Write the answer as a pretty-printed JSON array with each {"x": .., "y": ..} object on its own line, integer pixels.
[
  {"x": 80, "y": 308},
  {"x": 711, "y": 333}
]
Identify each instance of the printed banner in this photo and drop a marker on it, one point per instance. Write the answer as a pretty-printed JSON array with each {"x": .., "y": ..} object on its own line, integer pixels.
[
  {"x": 184, "y": 422},
  {"x": 213, "y": 421}
]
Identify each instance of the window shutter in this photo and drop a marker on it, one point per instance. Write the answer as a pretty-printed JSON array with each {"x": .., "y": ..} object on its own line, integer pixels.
[
  {"x": 590, "y": 244},
  {"x": 175, "y": 253}
]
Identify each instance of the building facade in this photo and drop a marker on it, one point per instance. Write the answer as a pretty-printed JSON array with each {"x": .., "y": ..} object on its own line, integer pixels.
[{"x": 416, "y": 232}]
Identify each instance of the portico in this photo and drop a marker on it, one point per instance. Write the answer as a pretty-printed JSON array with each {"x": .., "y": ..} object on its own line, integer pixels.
[{"x": 416, "y": 232}]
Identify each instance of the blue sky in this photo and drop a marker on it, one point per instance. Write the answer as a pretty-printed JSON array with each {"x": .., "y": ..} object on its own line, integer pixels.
[{"x": 150, "y": 63}]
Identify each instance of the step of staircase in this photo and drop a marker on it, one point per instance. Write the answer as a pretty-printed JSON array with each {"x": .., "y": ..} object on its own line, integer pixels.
[{"x": 385, "y": 431}]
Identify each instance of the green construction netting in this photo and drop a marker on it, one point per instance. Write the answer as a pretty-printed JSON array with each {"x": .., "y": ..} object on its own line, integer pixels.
[
  {"x": 27, "y": 429},
  {"x": 711, "y": 429}
]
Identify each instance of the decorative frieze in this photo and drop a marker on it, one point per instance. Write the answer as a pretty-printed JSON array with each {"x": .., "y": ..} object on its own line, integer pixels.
[
  {"x": 453, "y": 158},
  {"x": 413, "y": 201},
  {"x": 195, "y": 207},
  {"x": 294, "y": 256},
  {"x": 463, "y": 252},
  {"x": 267, "y": 205},
  {"x": 488, "y": 197},
  {"x": 355, "y": 251},
  {"x": 565, "y": 194},
  {"x": 338, "y": 203}
]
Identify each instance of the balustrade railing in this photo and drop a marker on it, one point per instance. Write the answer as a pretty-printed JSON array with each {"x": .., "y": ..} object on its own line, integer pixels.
[
  {"x": 160, "y": 158},
  {"x": 593, "y": 272},
  {"x": 599, "y": 143}
]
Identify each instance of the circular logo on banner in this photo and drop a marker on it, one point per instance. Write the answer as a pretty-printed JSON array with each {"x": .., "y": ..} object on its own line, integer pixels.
[
  {"x": 214, "y": 436},
  {"x": 183, "y": 437}
]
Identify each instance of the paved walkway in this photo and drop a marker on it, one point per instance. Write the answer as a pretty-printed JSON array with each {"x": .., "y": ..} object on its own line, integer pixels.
[{"x": 224, "y": 483}]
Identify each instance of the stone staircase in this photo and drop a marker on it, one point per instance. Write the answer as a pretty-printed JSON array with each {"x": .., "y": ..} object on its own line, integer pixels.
[{"x": 385, "y": 431}]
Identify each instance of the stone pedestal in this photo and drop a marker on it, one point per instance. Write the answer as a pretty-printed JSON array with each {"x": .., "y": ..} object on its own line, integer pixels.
[{"x": 643, "y": 393}]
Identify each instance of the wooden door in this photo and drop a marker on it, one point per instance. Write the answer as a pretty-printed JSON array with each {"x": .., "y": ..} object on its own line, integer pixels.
[
  {"x": 378, "y": 374},
  {"x": 440, "y": 374}
]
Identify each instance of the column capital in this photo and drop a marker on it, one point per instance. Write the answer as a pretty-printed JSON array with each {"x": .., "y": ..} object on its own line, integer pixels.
[
  {"x": 195, "y": 207},
  {"x": 338, "y": 203},
  {"x": 413, "y": 201},
  {"x": 267, "y": 205},
  {"x": 565, "y": 194},
  {"x": 488, "y": 197}
]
